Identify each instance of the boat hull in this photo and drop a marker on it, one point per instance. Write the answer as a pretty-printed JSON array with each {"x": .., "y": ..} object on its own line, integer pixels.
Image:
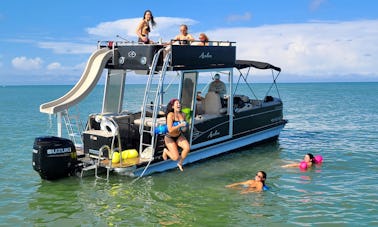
[{"x": 211, "y": 150}]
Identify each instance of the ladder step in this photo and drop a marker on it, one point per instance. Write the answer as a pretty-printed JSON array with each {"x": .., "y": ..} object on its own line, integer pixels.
[{"x": 91, "y": 167}]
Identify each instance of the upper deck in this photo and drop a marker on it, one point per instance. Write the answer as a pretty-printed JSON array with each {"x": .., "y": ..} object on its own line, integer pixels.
[{"x": 134, "y": 56}]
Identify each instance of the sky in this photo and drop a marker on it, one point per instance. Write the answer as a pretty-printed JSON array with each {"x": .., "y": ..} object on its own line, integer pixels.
[{"x": 49, "y": 42}]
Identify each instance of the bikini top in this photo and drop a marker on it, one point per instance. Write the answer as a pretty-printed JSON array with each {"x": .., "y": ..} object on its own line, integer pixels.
[{"x": 145, "y": 28}]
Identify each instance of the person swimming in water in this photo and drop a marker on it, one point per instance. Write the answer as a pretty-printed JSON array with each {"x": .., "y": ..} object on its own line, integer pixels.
[
  {"x": 256, "y": 185},
  {"x": 308, "y": 159}
]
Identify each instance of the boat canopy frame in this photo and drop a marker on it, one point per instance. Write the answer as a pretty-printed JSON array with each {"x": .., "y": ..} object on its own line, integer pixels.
[{"x": 247, "y": 64}]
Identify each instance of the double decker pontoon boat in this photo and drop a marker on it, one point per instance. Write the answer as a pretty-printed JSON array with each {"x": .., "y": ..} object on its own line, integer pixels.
[{"x": 132, "y": 142}]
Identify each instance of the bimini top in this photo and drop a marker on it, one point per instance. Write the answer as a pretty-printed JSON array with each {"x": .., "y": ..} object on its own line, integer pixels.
[{"x": 241, "y": 64}]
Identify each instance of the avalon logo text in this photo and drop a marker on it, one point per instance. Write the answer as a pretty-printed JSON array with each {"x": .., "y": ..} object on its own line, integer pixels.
[{"x": 207, "y": 55}]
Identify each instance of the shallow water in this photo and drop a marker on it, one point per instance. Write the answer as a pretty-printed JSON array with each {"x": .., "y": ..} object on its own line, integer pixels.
[{"x": 336, "y": 120}]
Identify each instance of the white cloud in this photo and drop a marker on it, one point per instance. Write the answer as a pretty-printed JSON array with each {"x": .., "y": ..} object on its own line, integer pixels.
[
  {"x": 24, "y": 63},
  {"x": 54, "y": 66},
  {"x": 68, "y": 48},
  {"x": 317, "y": 48},
  {"x": 166, "y": 27},
  {"x": 307, "y": 50},
  {"x": 236, "y": 17}
]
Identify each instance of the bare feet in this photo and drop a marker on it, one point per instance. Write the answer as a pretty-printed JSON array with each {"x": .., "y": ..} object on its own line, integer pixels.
[
  {"x": 179, "y": 164},
  {"x": 165, "y": 154}
]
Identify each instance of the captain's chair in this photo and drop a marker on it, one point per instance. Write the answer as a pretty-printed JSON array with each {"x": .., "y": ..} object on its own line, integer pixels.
[{"x": 212, "y": 103}]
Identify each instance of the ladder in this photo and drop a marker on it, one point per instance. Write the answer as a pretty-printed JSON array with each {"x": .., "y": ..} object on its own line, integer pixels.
[
  {"x": 74, "y": 127},
  {"x": 152, "y": 101}
]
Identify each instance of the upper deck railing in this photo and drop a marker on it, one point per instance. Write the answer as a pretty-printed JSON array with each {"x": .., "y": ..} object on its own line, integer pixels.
[{"x": 136, "y": 56}]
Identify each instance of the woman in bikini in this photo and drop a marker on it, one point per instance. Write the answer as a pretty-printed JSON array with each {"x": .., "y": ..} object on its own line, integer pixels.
[
  {"x": 256, "y": 185},
  {"x": 174, "y": 138},
  {"x": 144, "y": 27},
  {"x": 308, "y": 158}
]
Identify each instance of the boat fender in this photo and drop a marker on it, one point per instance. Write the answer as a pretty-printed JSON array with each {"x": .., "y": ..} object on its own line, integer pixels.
[
  {"x": 130, "y": 153},
  {"x": 116, "y": 157},
  {"x": 106, "y": 124}
]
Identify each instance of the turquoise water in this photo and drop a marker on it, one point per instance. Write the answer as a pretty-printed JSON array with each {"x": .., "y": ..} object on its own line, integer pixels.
[{"x": 337, "y": 120}]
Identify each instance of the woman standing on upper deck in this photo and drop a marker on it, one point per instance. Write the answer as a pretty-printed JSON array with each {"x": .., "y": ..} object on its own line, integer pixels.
[{"x": 144, "y": 27}]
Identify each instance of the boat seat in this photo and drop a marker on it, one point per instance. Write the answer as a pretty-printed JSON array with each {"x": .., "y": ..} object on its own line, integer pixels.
[
  {"x": 212, "y": 103},
  {"x": 148, "y": 121},
  {"x": 247, "y": 106}
]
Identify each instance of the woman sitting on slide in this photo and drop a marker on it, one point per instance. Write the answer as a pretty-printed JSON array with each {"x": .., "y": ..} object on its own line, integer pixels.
[{"x": 174, "y": 138}]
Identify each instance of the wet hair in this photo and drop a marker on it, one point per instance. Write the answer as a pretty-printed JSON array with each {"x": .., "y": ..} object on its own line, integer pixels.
[
  {"x": 153, "y": 23},
  {"x": 311, "y": 157},
  {"x": 170, "y": 106},
  {"x": 264, "y": 175}
]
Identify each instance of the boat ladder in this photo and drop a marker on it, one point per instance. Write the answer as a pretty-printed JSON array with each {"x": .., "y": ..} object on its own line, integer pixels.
[
  {"x": 74, "y": 127},
  {"x": 152, "y": 102},
  {"x": 95, "y": 163}
]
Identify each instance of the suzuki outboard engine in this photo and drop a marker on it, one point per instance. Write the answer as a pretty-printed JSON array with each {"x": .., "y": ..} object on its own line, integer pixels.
[{"x": 54, "y": 157}]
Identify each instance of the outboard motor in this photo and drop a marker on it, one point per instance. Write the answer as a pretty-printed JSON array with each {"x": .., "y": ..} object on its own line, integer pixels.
[{"x": 54, "y": 157}]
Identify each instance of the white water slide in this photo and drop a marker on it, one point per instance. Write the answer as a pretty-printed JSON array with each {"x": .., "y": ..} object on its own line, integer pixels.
[{"x": 84, "y": 86}]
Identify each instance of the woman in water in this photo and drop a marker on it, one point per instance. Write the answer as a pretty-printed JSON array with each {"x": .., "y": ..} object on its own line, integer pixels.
[
  {"x": 308, "y": 159},
  {"x": 144, "y": 27},
  {"x": 174, "y": 138},
  {"x": 256, "y": 185}
]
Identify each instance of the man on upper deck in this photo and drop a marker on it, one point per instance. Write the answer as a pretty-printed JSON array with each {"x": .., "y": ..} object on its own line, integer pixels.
[{"x": 184, "y": 37}]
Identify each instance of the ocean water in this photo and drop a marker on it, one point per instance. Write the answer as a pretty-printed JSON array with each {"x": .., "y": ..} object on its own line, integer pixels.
[{"x": 336, "y": 120}]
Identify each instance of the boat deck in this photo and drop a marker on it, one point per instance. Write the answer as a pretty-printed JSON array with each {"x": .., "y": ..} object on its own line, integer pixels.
[{"x": 124, "y": 164}]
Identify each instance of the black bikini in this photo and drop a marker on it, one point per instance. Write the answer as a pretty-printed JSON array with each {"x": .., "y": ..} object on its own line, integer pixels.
[
  {"x": 174, "y": 138},
  {"x": 147, "y": 28}
]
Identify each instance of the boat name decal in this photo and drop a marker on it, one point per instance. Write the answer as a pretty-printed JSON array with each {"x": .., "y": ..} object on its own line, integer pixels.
[
  {"x": 131, "y": 54},
  {"x": 207, "y": 55},
  {"x": 59, "y": 150},
  {"x": 213, "y": 133}
]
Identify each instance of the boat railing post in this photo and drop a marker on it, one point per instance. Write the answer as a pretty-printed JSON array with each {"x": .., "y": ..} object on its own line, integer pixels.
[{"x": 59, "y": 124}]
